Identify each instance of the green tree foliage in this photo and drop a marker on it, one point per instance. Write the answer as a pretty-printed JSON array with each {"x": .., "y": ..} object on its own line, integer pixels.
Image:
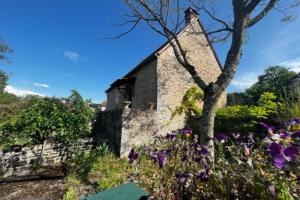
[
  {"x": 3, "y": 81},
  {"x": 273, "y": 80},
  {"x": 64, "y": 121}
]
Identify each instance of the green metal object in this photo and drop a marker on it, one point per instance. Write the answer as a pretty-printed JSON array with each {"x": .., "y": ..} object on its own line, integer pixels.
[{"x": 128, "y": 191}]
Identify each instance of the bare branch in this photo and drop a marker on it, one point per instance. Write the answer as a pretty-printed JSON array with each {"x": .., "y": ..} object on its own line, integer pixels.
[
  {"x": 263, "y": 13},
  {"x": 227, "y": 26},
  {"x": 126, "y": 32}
]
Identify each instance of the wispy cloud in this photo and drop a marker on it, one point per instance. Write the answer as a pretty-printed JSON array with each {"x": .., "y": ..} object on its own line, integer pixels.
[
  {"x": 43, "y": 85},
  {"x": 243, "y": 82},
  {"x": 21, "y": 92},
  {"x": 71, "y": 55},
  {"x": 292, "y": 64}
]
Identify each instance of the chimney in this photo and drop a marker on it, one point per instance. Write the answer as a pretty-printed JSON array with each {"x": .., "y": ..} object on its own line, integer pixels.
[{"x": 190, "y": 15}]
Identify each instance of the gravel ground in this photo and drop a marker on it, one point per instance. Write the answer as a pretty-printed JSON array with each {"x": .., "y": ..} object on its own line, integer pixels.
[{"x": 33, "y": 190}]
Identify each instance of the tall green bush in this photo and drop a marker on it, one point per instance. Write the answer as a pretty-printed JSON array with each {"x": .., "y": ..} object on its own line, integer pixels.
[
  {"x": 64, "y": 121},
  {"x": 244, "y": 118}
]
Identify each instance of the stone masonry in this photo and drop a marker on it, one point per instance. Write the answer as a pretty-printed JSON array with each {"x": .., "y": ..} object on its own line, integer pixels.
[
  {"x": 158, "y": 85},
  {"x": 23, "y": 162}
]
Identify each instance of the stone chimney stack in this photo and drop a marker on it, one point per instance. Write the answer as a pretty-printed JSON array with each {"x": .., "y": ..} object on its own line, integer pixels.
[{"x": 190, "y": 15}]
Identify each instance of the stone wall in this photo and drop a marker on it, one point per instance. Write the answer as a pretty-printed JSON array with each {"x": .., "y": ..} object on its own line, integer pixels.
[
  {"x": 139, "y": 126},
  {"x": 145, "y": 90},
  {"x": 174, "y": 80},
  {"x": 25, "y": 161},
  {"x": 145, "y": 87}
]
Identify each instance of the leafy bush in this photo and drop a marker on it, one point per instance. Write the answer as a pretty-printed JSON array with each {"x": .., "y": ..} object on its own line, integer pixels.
[
  {"x": 290, "y": 104},
  {"x": 190, "y": 104},
  {"x": 48, "y": 118},
  {"x": 95, "y": 171},
  {"x": 11, "y": 105},
  {"x": 245, "y": 118}
]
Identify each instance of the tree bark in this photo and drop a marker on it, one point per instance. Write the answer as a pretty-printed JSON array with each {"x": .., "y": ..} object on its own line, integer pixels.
[{"x": 213, "y": 91}]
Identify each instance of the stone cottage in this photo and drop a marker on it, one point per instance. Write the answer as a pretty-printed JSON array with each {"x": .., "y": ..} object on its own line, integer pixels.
[{"x": 140, "y": 105}]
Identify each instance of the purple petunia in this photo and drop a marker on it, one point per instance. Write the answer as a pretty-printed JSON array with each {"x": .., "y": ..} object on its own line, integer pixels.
[
  {"x": 290, "y": 153},
  {"x": 162, "y": 160},
  {"x": 220, "y": 137},
  {"x": 132, "y": 156},
  {"x": 171, "y": 135},
  {"x": 185, "y": 157},
  {"x": 275, "y": 149},
  {"x": 291, "y": 122},
  {"x": 279, "y": 161},
  {"x": 181, "y": 176},
  {"x": 268, "y": 127},
  {"x": 186, "y": 133},
  {"x": 203, "y": 176},
  {"x": 271, "y": 190},
  {"x": 204, "y": 150},
  {"x": 296, "y": 135},
  {"x": 284, "y": 134},
  {"x": 281, "y": 154}
]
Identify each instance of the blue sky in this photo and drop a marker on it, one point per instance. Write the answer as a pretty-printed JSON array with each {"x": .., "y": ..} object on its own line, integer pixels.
[{"x": 56, "y": 46}]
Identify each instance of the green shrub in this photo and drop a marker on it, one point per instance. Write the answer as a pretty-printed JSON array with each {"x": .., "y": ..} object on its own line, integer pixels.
[
  {"x": 190, "y": 104},
  {"x": 48, "y": 118},
  {"x": 13, "y": 105},
  {"x": 244, "y": 118},
  {"x": 290, "y": 107},
  {"x": 98, "y": 169}
]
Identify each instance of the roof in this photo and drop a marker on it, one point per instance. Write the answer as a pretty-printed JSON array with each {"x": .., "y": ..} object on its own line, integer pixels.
[{"x": 155, "y": 54}]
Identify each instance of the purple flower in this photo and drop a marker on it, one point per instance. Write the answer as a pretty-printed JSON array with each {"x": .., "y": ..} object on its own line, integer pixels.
[
  {"x": 269, "y": 128},
  {"x": 275, "y": 149},
  {"x": 161, "y": 160},
  {"x": 181, "y": 176},
  {"x": 279, "y": 161},
  {"x": 132, "y": 156},
  {"x": 171, "y": 135},
  {"x": 291, "y": 122},
  {"x": 290, "y": 153},
  {"x": 170, "y": 150},
  {"x": 296, "y": 135},
  {"x": 220, "y": 137},
  {"x": 284, "y": 134},
  {"x": 186, "y": 133},
  {"x": 204, "y": 150},
  {"x": 203, "y": 176},
  {"x": 271, "y": 190},
  {"x": 185, "y": 157}
]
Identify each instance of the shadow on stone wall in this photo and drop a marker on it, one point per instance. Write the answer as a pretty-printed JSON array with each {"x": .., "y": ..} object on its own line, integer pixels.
[{"x": 107, "y": 129}]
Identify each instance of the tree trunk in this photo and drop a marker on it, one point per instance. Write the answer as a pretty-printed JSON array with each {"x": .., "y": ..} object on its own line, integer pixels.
[
  {"x": 208, "y": 117},
  {"x": 214, "y": 90}
]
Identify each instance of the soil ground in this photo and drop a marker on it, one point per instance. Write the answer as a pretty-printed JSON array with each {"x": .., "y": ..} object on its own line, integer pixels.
[{"x": 33, "y": 190}]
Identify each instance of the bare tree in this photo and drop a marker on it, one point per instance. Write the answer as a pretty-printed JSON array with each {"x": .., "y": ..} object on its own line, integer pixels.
[{"x": 164, "y": 17}]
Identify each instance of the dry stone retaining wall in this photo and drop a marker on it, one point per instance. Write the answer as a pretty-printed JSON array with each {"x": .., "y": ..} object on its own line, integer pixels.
[{"x": 24, "y": 161}]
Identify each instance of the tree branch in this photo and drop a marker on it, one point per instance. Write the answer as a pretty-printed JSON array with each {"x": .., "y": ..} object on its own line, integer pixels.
[{"x": 263, "y": 13}]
